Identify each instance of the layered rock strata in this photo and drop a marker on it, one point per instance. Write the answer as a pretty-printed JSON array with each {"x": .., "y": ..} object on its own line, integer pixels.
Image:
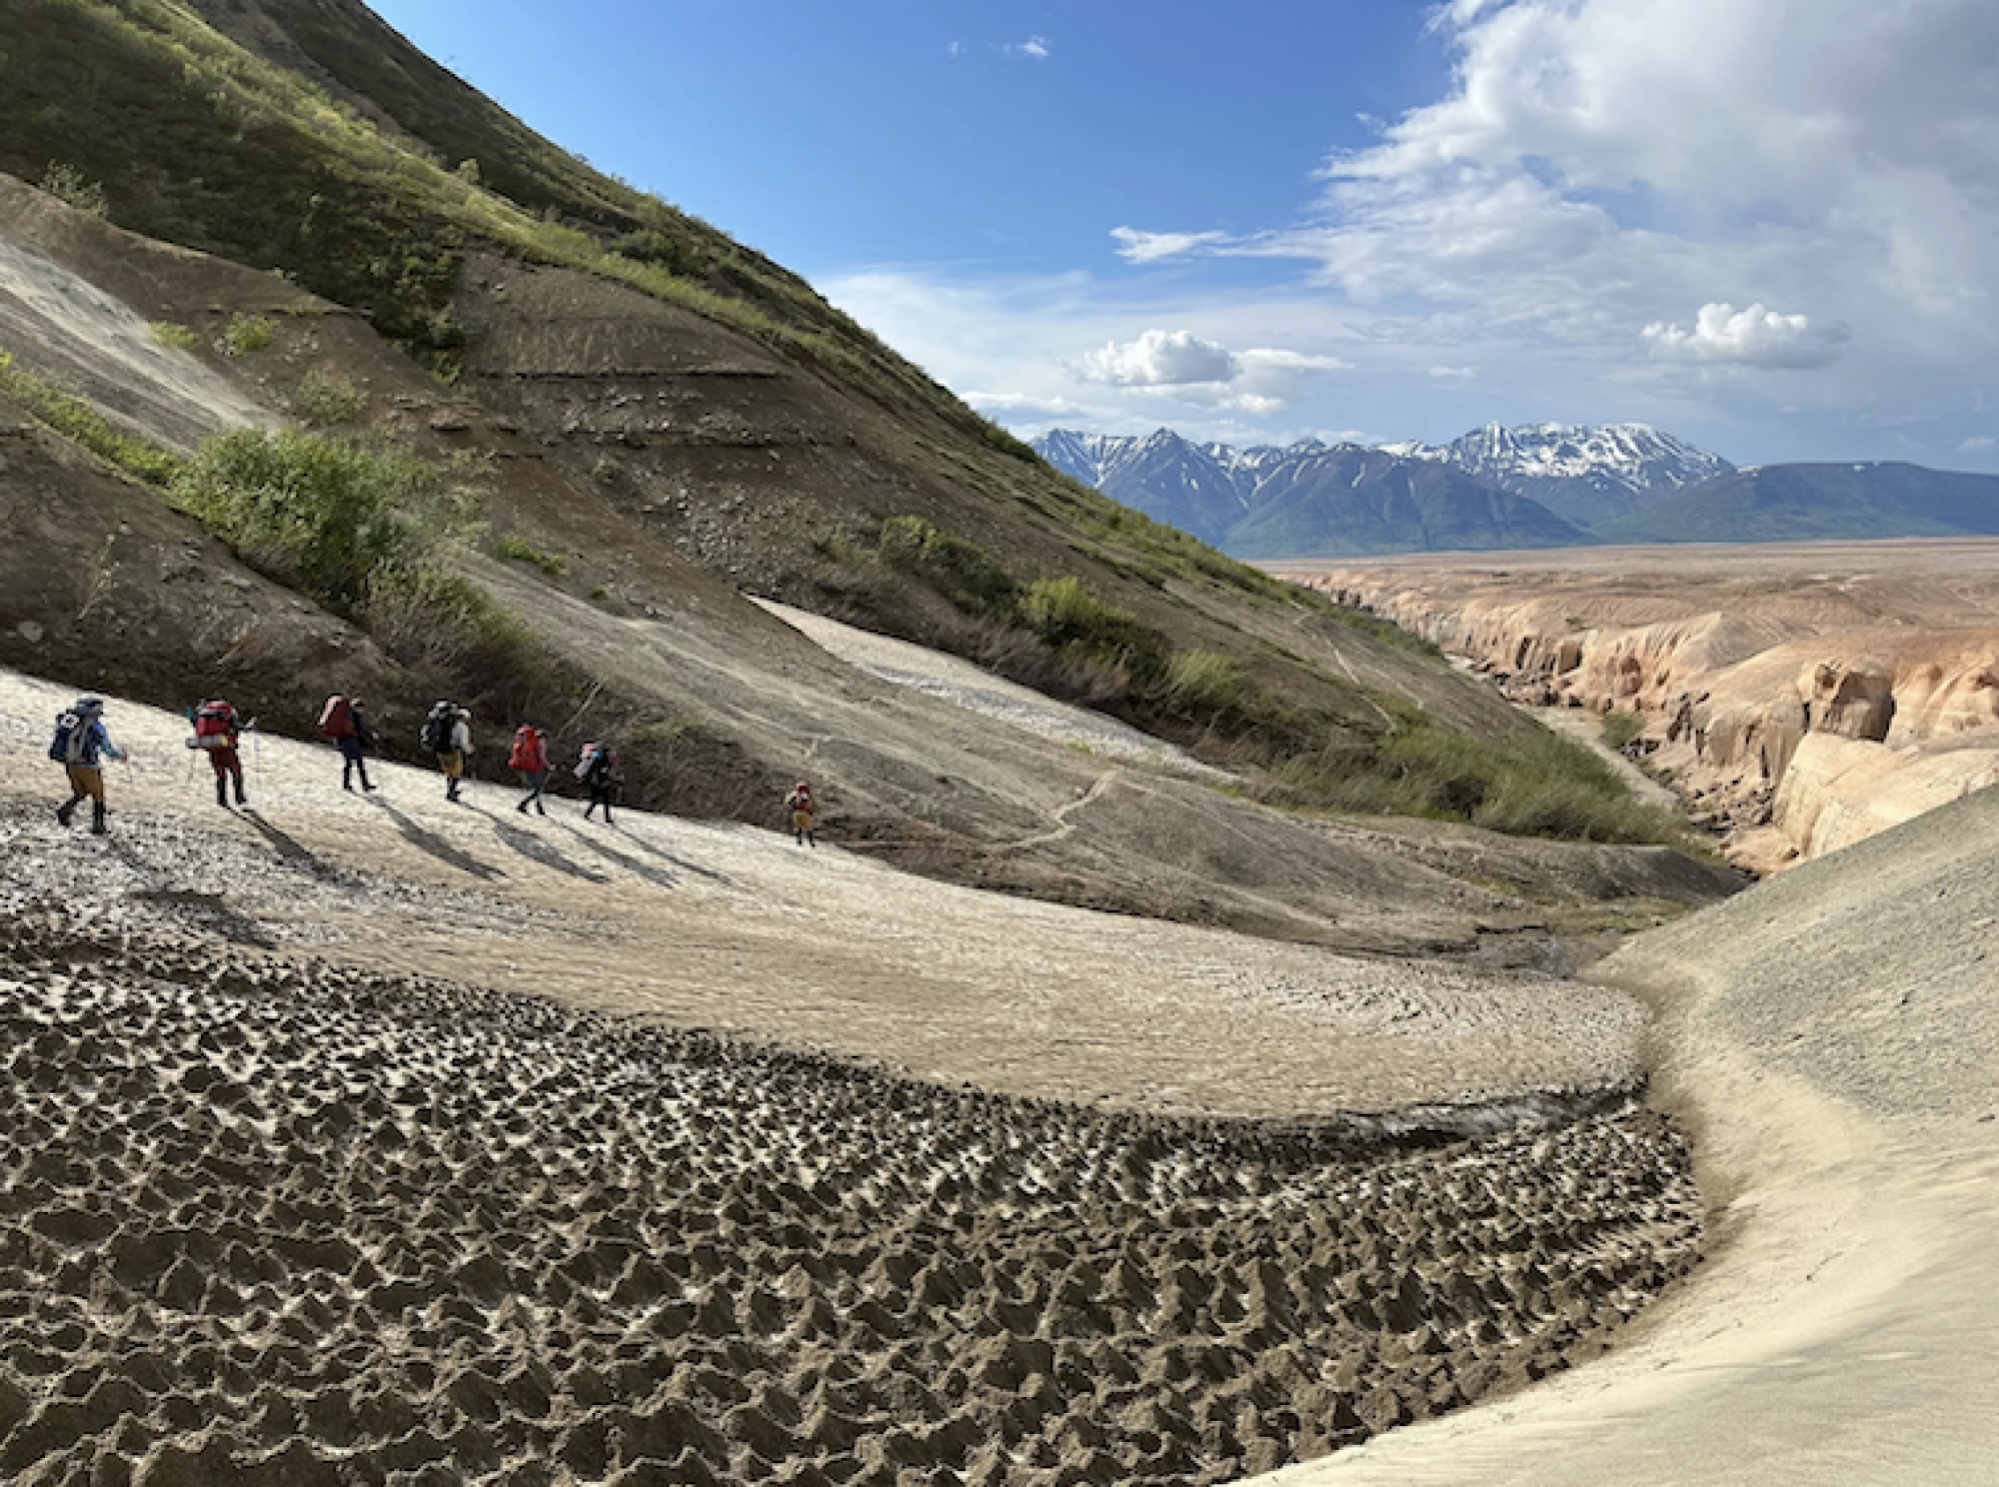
[
  {"x": 272, "y": 1221},
  {"x": 1794, "y": 716}
]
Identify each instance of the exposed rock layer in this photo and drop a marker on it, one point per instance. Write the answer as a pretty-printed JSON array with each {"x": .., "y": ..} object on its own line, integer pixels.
[{"x": 1820, "y": 691}]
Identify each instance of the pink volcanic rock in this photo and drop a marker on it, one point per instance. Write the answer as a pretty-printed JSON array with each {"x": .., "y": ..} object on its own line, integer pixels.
[{"x": 1871, "y": 668}]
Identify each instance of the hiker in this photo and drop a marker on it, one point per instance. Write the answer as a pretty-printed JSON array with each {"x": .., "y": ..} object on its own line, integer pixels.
[
  {"x": 597, "y": 769},
  {"x": 530, "y": 758},
  {"x": 799, "y": 803},
  {"x": 82, "y": 745},
  {"x": 447, "y": 733},
  {"x": 217, "y": 727},
  {"x": 345, "y": 722}
]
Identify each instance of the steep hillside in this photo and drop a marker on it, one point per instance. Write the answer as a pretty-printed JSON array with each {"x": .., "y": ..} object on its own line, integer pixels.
[{"x": 612, "y": 443}]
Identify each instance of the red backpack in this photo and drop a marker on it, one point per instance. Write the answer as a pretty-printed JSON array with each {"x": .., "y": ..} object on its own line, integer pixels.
[
  {"x": 530, "y": 750},
  {"x": 215, "y": 725},
  {"x": 336, "y": 719}
]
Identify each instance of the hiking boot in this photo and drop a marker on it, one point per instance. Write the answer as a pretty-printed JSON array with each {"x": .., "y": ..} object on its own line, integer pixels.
[
  {"x": 540, "y": 809},
  {"x": 522, "y": 808},
  {"x": 96, "y": 820},
  {"x": 65, "y": 812},
  {"x": 222, "y": 794}
]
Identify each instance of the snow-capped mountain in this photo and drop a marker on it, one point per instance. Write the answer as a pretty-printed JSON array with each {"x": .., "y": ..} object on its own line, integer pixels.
[
  {"x": 1579, "y": 473},
  {"x": 1585, "y": 473}
]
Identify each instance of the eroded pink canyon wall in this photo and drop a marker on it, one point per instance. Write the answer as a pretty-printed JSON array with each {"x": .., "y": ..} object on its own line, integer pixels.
[{"x": 1795, "y": 708}]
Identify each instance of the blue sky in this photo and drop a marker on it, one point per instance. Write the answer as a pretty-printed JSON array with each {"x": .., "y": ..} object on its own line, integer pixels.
[{"x": 1769, "y": 227}]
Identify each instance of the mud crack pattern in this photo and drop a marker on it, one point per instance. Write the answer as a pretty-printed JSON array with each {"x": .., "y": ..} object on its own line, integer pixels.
[{"x": 271, "y": 1221}]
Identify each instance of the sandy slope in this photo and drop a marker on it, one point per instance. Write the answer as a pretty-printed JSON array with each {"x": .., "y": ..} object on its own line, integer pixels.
[
  {"x": 728, "y": 927},
  {"x": 283, "y": 1209},
  {"x": 1830, "y": 1037}
]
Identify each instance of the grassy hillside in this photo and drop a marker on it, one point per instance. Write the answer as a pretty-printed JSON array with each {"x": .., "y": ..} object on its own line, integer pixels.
[{"x": 775, "y": 442}]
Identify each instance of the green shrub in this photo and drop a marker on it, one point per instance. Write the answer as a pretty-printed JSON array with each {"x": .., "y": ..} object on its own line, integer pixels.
[
  {"x": 517, "y": 549},
  {"x": 248, "y": 333},
  {"x": 963, "y": 572},
  {"x": 1068, "y": 616},
  {"x": 1205, "y": 682},
  {"x": 67, "y": 183},
  {"x": 174, "y": 337},
  {"x": 322, "y": 514},
  {"x": 326, "y": 401}
]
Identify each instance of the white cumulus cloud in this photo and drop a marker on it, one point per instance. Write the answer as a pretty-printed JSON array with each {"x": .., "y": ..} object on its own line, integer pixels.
[
  {"x": 1035, "y": 48},
  {"x": 1161, "y": 358},
  {"x": 1755, "y": 337}
]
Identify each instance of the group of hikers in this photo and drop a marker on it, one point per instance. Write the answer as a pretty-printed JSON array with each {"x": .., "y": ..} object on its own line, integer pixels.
[{"x": 82, "y": 745}]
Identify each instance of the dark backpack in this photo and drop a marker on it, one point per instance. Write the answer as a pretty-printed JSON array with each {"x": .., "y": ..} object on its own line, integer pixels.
[
  {"x": 596, "y": 764},
  {"x": 70, "y": 742},
  {"x": 436, "y": 736}
]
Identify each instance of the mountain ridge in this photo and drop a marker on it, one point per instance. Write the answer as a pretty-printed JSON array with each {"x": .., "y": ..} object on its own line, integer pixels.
[{"x": 1561, "y": 484}]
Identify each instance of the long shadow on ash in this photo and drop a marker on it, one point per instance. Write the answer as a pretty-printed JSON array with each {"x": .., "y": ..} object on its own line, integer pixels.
[
  {"x": 657, "y": 876},
  {"x": 425, "y": 840},
  {"x": 290, "y": 849},
  {"x": 204, "y": 910},
  {"x": 680, "y": 862},
  {"x": 532, "y": 847}
]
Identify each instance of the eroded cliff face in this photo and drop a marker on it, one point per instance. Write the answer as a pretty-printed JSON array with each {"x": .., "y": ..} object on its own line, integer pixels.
[{"x": 1798, "y": 702}]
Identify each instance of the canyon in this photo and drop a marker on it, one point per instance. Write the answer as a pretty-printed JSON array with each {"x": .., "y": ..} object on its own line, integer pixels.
[{"x": 1799, "y": 697}]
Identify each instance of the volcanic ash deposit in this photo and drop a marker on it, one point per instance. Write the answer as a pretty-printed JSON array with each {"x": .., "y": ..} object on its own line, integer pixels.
[{"x": 287, "y": 1223}]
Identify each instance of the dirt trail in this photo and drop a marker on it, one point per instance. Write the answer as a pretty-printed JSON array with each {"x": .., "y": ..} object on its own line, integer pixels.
[{"x": 729, "y": 927}]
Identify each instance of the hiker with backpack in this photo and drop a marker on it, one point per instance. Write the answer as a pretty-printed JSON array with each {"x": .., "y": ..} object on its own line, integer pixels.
[
  {"x": 81, "y": 745},
  {"x": 799, "y": 803},
  {"x": 343, "y": 720},
  {"x": 217, "y": 727},
  {"x": 597, "y": 769},
  {"x": 530, "y": 758},
  {"x": 447, "y": 733}
]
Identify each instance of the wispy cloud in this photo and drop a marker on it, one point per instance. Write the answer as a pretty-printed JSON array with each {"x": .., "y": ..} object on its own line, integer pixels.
[
  {"x": 1035, "y": 48},
  {"x": 1156, "y": 247}
]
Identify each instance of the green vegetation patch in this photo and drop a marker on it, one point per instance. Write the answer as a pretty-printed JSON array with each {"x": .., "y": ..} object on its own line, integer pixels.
[
  {"x": 78, "y": 421},
  {"x": 1533, "y": 784}
]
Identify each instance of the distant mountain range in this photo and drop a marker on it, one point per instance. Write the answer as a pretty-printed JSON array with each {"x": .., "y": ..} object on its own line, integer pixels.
[{"x": 1537, "y": 485}]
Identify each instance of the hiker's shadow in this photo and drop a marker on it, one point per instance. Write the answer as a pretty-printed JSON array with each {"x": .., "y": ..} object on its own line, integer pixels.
[
  {"x": 680, "y": 862},
  {"x": 659, "y": 877},
  {"x": 202, "y": 909},
  {"x": 290, "y": 849},
  {"x": 426, "y": 840},
  {"x": 535, "y": 849}
]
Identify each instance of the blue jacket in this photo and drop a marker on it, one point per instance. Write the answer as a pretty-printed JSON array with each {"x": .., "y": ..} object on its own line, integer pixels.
[{"x": 97, "y": 745}]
